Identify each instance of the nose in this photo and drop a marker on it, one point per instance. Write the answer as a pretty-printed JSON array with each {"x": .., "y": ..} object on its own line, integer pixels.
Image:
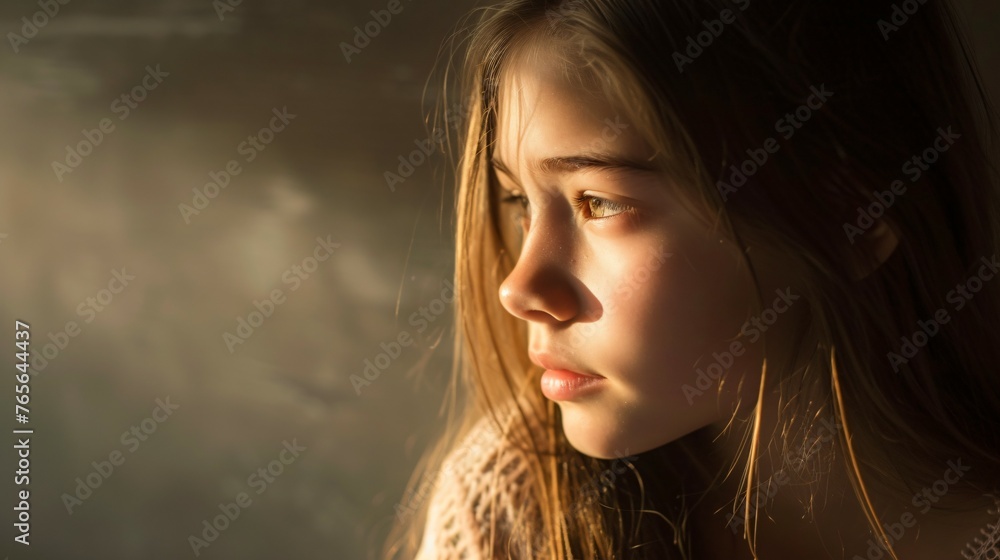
[{"x": 540, "y": 287}]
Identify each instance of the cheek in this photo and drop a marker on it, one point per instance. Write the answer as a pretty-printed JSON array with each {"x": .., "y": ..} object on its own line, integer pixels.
[{"x": 664, "y": 320}]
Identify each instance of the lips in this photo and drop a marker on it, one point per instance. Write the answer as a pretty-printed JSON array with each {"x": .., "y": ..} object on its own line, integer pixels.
[
  {"x": 554, "y": 363},
  {"x": 563, "y": 381}
]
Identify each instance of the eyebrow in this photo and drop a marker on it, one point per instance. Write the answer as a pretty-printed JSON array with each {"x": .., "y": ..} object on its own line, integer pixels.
[{"x": 581, "y": 162}]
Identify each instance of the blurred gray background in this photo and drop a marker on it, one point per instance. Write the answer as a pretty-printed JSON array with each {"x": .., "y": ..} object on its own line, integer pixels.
[{"x": 66, "y": 232}]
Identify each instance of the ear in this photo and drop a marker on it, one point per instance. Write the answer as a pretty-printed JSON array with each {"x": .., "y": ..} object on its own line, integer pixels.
[{"x": 879, "y": 242}]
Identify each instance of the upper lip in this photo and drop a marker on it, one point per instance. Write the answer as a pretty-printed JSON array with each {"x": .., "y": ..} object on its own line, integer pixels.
[{"x": 549, "y": 361}]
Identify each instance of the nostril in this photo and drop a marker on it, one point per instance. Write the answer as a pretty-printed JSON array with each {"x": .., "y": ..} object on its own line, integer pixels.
[{"x": 548, "y": 305}]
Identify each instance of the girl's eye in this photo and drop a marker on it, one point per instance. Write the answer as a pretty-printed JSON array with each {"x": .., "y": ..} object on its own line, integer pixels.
[
  {"x": 599, "y": 208},
  {"x": 519, "y": 199},
  {"x": 515, "y": 197},
  {"x": 594, "y": 208}
]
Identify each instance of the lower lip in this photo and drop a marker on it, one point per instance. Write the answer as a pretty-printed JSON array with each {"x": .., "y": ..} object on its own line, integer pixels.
[{"x": 562, "y": 385}]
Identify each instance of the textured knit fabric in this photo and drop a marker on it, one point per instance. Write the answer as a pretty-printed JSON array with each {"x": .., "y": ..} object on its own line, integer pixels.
[
  {"x": 484, "y": 482},
  {"x": 986, "y": 547}
]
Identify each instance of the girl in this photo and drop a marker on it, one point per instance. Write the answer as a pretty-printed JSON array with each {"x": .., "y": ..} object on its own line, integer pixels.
[{"x": 726, "y": 275}]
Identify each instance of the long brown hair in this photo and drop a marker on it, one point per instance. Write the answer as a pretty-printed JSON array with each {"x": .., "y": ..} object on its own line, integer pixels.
[{"x": 895, "y": 86}]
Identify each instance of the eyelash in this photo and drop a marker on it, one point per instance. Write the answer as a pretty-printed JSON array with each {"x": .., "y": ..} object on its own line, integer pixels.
[{"x": 581, "y": 202}]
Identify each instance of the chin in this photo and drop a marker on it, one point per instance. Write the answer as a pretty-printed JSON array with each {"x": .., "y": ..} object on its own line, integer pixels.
[
  {"x": 591, "y": 434},
  {"x": 615, "y": 434}
]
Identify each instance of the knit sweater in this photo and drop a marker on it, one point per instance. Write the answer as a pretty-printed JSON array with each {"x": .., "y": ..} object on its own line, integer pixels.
[
  {"x": 483, "y": 482},
  {"x": 486, "y": 482}
]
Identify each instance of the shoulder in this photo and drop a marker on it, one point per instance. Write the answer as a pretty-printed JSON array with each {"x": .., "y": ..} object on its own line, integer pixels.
[{"x": 484, "y": 486}]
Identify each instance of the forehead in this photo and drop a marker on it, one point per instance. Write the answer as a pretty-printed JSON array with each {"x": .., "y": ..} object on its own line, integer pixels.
[{"x": 542, "y": 113}]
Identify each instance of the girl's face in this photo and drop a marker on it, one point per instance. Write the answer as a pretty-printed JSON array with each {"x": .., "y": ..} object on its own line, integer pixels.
[{"x": 616, "y": 279}]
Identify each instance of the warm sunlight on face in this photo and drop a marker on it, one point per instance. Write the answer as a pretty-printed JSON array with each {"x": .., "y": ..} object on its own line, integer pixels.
[{"x": 615, "y": 278}]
